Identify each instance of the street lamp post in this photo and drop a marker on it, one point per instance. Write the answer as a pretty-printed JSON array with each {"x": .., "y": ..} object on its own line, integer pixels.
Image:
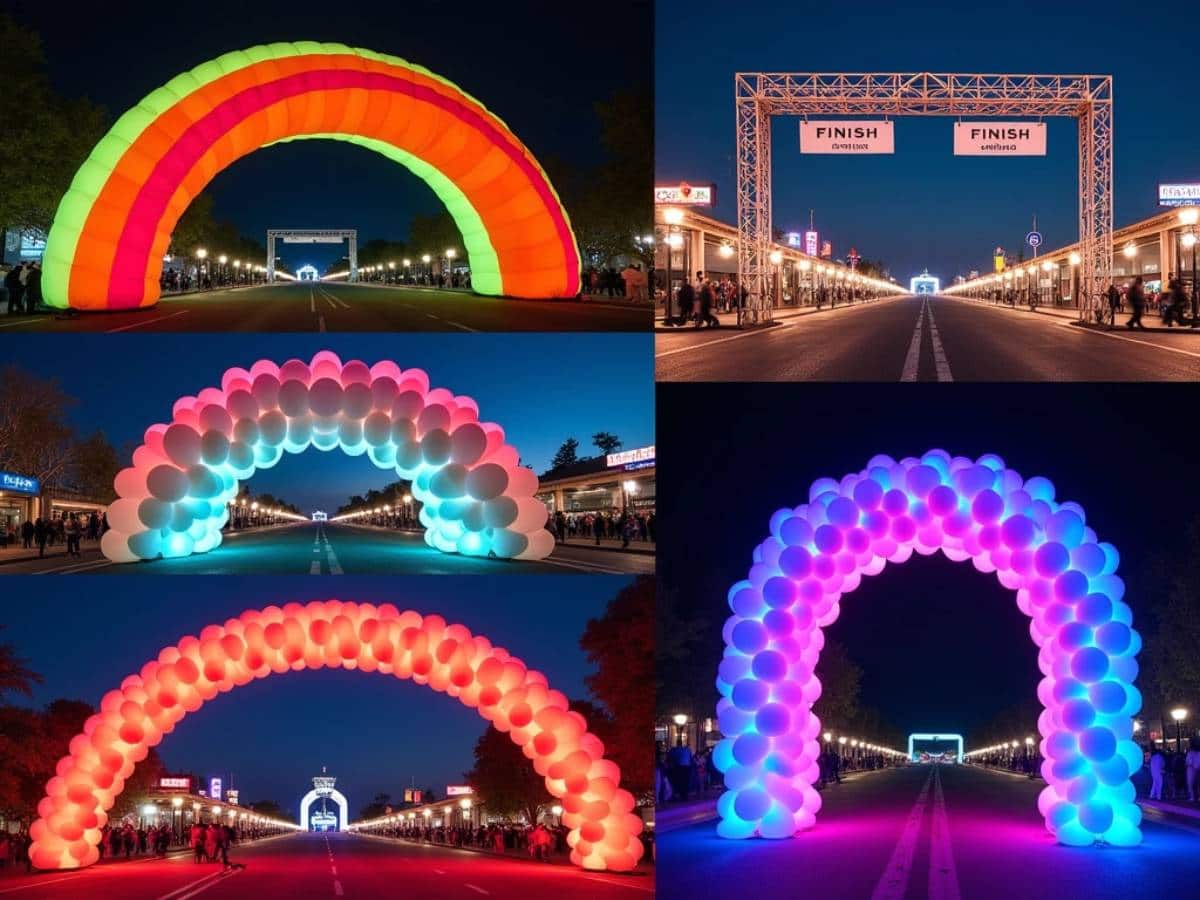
[
  {"x": 1189, "y": 217},
  {"x": 776, "y": 260},
  {"x": 1179, "y": 714},
  {"x": 681, "y": 723},
  {"x": 1048, "y": 267},
  {"x": 672, "y": 217}
]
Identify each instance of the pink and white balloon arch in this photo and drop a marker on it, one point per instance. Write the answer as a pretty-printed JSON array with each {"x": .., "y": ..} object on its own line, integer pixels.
[
  {"x": 477, "y": 499},
  {"x": 1040, "y": 547},
  {"x": 448, "y": 658}
]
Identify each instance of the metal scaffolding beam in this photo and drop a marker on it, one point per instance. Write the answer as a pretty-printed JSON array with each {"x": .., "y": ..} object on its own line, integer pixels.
[{"x": 760, "y": 96}]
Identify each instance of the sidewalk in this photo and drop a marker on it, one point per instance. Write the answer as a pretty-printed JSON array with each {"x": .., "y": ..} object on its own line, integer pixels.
[
  {"x": 555, "y": 859},
  {"x": 1071, "y": 314},
  {"x": 602, "y": 299},
  {"x": 729, "y": 319},
  {"x": 635, "y": 546}
]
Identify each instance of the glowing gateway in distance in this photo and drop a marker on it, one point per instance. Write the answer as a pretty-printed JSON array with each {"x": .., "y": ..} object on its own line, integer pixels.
[
  {"x": 1065, "y": 581},
  {"x": 478, "y": 500},
  {"x": 113, "y": 226},
  {"x": 913, "y": 738},
  {"x": 448, "y": 658}
]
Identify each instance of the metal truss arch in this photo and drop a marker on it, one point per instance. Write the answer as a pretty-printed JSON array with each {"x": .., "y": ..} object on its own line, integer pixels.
[{"x": 760, "y": 96}]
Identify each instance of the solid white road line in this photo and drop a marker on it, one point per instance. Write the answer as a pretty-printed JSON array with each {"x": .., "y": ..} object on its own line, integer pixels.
[
  {"x": 191, "y": 887},
  {"x": 440, "y": 871},
  {"x": 941, "y": 364},
  {"x": 623, "y": 884},
  {"x": 1121, "y": 337},
  {"x": 943, "y": 878},
  {"x": 182, "y": 312},
  {"x": 582, "y": 567},
  {"x": 893, "y": 883},
  {"x": 77, "y": 567},
  {"x": 39, "y": 883},
  {"x": 913, "y": 359},
  {"x": 476, "y": 888},
  {"x": 733, "y": 337},
  {"x": 462, "y": 326}
]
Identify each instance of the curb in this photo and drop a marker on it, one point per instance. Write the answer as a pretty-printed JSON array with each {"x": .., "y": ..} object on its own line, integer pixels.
[
  {"x": 586, "y": 545},
  {"x": 513, "y": 857}
]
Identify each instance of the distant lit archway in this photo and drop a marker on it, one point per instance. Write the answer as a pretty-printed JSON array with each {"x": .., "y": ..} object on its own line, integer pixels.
[
  {"x": 477, "y": 499},
  {"x": 105, "y": 249},
  {"x": 935, "y": 738},
  {"x": 275, "y": 640},
  {"x": 333, "y": 794},
  {"x": 1065, "y": 581}
]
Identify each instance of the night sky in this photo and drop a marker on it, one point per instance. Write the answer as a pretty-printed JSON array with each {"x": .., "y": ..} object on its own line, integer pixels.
[
  {"x": 923, "y": 206},
  {"x": 540, "y": 389},
  {"x": 536, "y": 64},
  {"x": 373, "y": 733},
  {"x": 943, "y": 647}
]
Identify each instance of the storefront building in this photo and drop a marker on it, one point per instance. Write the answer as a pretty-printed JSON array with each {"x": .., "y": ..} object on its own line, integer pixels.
[
  {"x": 23, "y": 499},
  {"x": 614, "y": 483}
]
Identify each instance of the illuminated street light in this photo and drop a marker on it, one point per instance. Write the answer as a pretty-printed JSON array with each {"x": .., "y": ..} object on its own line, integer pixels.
[
  {"x": 776, "y": 257},
  {"x": 201, "y": 253},
  {"x": 828, "y": 736},
  {"x": 679, "y": 719},
  {"x": 1075, "y": 259},
  {"x": 451, "y": 253},
  {"x": 1189, "y": 216},
  {"x": 426, "y": 258},
  {"x": 1179, "y": 714},
  {"x": 1130, "y": 250},
  {"x": 725, "y": 251},
  {"x": 222, "y": 259},
  {"x": 672, "y": 215}
]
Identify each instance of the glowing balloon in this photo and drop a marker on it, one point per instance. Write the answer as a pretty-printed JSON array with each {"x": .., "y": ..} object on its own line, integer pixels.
[
  {"x": 977, "y": 510},
  {"x": 477, "y": 499},
  {"x": 258, "y": 643},
  {"x": 106, "y": 246}
]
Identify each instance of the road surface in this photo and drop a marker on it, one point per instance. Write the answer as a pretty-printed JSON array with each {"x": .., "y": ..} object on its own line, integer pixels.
[
  {"x": 312, "y": 866},
  {"x": 338, "y": 306},
  {"x": 326, "y": 548},
  {"x": 946, "y": 832},
  {"x": 926, "y": 339}
]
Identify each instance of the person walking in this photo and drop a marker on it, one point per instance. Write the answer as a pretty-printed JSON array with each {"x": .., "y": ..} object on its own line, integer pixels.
[
  {"x": 41, "y": 534},
  {"x": 33, "y": 287},
  {"x": 16, "y": 288},
  {"x": 1114, "y": 302},
  {"x": 707, "y": 298},
  {"x": 679, "y": 763},
  {"x": 73, "y": 532},
  {"x": 687, "y": 299},
  {"x": 1137, "y": 303},
  {"x": 1157, "y": 764},
  {"x": 1192, "y": 761},
  {"x": 212, "y": 841},
  {"x": 27, "y": 531}
]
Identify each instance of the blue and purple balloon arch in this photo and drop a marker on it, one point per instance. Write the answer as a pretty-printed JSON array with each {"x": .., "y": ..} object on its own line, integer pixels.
[{"x": 980, "y": 510}]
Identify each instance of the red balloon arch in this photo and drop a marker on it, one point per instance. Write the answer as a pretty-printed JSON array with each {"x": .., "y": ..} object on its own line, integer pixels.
[{"x": 333, "y": 633}]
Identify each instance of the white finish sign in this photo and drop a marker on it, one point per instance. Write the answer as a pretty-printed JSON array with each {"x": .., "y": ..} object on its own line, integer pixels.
[
  {"x": 867, "y": 136},
  {"x": 999, "y": 138}
]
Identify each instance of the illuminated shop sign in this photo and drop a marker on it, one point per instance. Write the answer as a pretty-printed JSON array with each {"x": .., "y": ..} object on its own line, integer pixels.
[
  {"x": 684, "y": 193},
  {"x": 174, "y": 783},
  {"x": 1179, "y": 195},
  {"x": 10, "y": 481},
  {"x": 810, "y": 243},
  {"x": 458, "y": 790},
  {"x": 629, "y": 457},
  {"x": 214, "y": 788}
]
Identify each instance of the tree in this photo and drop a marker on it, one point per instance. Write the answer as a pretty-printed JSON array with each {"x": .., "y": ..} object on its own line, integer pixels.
[
  {"x": 840, "y": 680},
  {"x": 607, "y": 442},
  {"x": 621, "y": 646},
  {"x": 566, "y": 455},
  {"x": 35, "y": 438},
  {"x": 377, "y": 807},
  {"x": 47, "y": 142},
  {"x": 434, "y": 234},
  {"x": 503, "y": 778},
  {"x": 267, "y": 808},
  {"x": 96, "y": 466},
  {"x": 15, "y": 674}
]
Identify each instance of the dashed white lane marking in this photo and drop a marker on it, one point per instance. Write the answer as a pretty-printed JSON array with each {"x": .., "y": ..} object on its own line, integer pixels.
[
  {"x": 893, "y": 883},
  {"x": 622, "y": 884},
  {"x": 476, "y": 888},
  {"x": 25, "y": 887},
  {"x": 320, "y": 323},
  {"x": 943, "y": 878},
  {"x": 941, "y": 364},
  {"x": 331, "y": 558},
  {"x": 462, "y": 326},
  {"x": 334, "y": 870},
  {"x": 315, "y": 568},
  {"x": 913, "y": 359},
  {"x": 148, "y": 322},
  {"x": 440, "y": 871},
  {"x": 312, "y": 300},
  {"x": 337, "y": 888}
]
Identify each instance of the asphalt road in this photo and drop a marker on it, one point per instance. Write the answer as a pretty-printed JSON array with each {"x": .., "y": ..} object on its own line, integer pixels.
[
  {"x": 339, "y": 306},
  {"x": 875, "y": 838},
  {"x": 336, "y": 549},
  {"x": 311, "y": 866},
  {"x": 919, "y": 339}
]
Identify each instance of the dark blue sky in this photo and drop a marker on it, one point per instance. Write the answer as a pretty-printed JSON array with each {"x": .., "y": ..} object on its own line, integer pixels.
[
  {"x": 537, "y": 64},
  {"x": 373, "y": 732},
  {"x": 923, "y": 206},
  {"x": 541, "y": 389},
  {"x": 943, "y": 647}
]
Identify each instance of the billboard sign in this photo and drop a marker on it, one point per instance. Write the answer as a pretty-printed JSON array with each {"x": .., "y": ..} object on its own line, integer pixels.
[
  {"x": 22, "y": 484},
  {"x": 810, "y": 243},
  {"x": 827, "y": 250},
  {"x": 1179, "y": 194},
  {"x": 864, "y": 136},
  {"x": 793, "y": 239},
  {"x": 458, "y": 790},
  {"x": 214, "y": 788},
  {"x": 999, "y": 138},
  {"x": 175, "y": 783},
  {"x": 686, "y": 194},
  {"x": 629, "y": 457},
  {"x": 999, "y": 259}
]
